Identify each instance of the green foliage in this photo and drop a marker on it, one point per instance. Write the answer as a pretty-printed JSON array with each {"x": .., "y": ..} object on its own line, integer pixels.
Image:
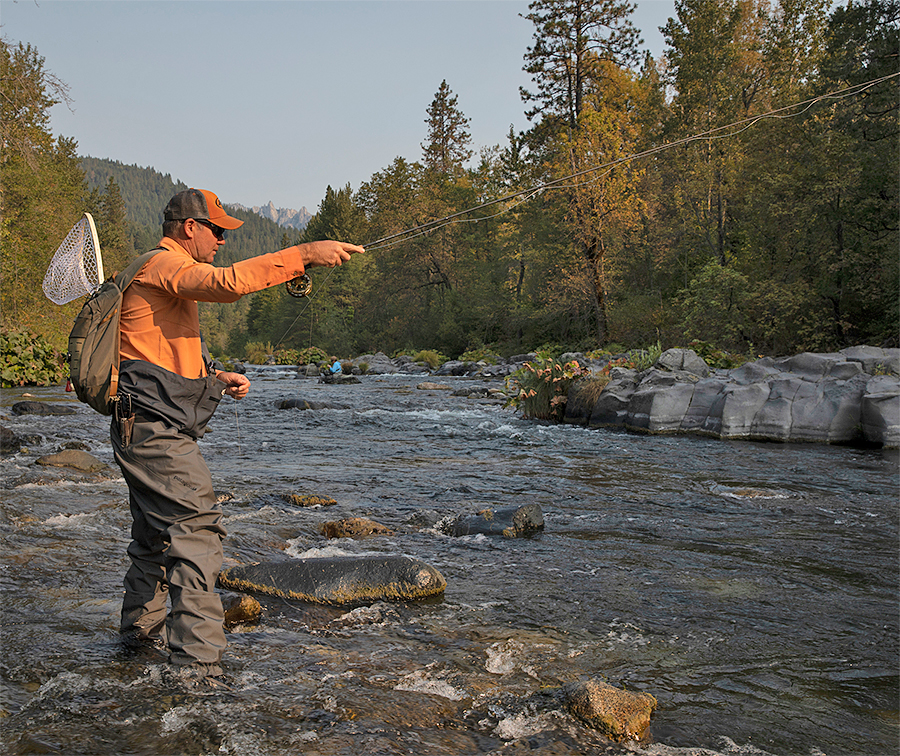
[
  {"x": 716, "y": 358},
  {"x": 643, "y": 359},
  {"x": 307, "y": 356},
  {"x": 29, "y": 360},
  {"x": 286, "y": 357},
  {"x": 540, "y": 389},
  {"x": 257, "y": 352},
  {"x": 479, "y": 354}
]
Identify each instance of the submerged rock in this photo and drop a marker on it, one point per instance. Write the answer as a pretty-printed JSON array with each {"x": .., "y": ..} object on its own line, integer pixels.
[
  {"x": 432, "y": 386},
  {"x": 618, "y": 714},
  {"x": 512, "y": 522},
  {"x": 74, "y": 458},
  {"x": 240, "y": 609},
  {"x": 41, "y": 408},
  {"x": 11, "y": 443},
  {"x": 338, "y": 580},
  {"x": 310, "y": 500},
  {"x": 307, "y": 404},
  {"x": 354, "y": 527}
]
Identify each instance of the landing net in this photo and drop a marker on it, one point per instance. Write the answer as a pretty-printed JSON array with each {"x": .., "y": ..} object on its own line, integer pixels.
[{"x": 76, "y": 269}]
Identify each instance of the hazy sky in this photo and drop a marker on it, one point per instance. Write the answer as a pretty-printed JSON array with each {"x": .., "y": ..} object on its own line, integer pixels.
[{"x": 258, "y": 100}]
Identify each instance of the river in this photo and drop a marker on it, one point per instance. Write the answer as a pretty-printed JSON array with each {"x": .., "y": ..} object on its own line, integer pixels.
[{"x": 751, "y": 588}]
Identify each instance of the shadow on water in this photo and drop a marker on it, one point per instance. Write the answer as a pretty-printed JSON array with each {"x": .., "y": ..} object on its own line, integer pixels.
[{"x": 751, "y": 588}]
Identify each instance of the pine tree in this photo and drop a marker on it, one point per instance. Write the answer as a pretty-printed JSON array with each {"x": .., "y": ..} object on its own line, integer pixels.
[
  {"x": 572, "y": 37},
  {"x": 447, "y": 146}
]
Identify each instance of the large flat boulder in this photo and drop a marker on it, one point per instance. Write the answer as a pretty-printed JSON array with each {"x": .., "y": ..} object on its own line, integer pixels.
[{"x": 338, "y": 580}]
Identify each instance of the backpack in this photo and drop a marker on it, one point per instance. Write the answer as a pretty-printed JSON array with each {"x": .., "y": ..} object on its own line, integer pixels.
[{"x": 94, "y": 341}]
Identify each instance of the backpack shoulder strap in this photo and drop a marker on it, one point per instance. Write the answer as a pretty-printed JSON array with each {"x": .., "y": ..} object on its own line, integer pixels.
[{"x": 124, "y": 278}]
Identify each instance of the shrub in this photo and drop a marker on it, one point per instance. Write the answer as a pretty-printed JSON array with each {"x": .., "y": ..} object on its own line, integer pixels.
[
  {"x": 479, "y": 354},
  {"x": 287, "y": 357},
  {"x": 540, "y": 389},
  {"x": 28, "y": 359},
  {"x": 717, "y": 359},
  {"x": 643, "y": 359},
  {"x": 257, "y": 352},
  {"x": 311, "y": 356},
  {"x": 431, "y": 358}
]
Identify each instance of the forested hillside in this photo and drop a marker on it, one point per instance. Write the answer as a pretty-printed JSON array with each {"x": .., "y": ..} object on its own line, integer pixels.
[
  {"x": 742, "y": 191},
  {"x": 145, "y": 193}
]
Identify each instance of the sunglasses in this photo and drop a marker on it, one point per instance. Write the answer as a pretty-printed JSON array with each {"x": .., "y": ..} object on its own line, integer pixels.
[{"x": 218, "y": 231}]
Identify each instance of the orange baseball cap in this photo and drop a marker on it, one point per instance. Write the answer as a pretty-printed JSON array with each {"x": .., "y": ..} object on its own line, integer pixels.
[{"x": 200, "y": 204}]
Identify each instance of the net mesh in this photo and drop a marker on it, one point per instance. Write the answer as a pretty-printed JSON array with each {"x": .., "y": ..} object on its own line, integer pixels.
[{"x": 77, "y": 268}]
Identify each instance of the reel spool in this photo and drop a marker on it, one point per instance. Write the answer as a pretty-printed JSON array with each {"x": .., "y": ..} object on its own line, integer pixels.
[{"x": 299, "y": 287}]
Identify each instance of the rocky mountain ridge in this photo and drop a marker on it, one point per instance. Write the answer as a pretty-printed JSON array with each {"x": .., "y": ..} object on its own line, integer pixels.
[{"x": 283, "y": 216}]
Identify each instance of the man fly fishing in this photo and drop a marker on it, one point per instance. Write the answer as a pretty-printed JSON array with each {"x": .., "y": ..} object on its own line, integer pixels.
[{"x": 168, "y": 389}]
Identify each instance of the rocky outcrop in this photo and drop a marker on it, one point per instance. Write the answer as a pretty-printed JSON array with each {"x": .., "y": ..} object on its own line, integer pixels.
[
  {"x": 494, "y": 367},
  {"x": 851, "y": 396}
]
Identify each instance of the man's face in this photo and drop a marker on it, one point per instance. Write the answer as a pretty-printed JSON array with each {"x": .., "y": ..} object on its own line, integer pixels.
[{"x": 205, "y": 239}]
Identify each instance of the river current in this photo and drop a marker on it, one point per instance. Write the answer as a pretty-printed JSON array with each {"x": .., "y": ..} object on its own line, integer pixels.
[{"x": 751, "y": 588}]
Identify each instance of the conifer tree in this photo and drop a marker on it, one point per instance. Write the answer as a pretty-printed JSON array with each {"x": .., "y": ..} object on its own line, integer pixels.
[{"x": 447, "y": 146}]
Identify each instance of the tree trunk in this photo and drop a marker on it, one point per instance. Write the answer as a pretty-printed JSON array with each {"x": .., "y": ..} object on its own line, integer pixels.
[{"x": 594, "y": 253}]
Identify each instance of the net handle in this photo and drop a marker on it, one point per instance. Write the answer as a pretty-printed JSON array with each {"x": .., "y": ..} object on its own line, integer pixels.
[{"x": 96, "y": 246}]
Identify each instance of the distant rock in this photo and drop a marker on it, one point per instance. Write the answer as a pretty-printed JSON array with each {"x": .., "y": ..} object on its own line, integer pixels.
[{"x": 308, "y": 404}]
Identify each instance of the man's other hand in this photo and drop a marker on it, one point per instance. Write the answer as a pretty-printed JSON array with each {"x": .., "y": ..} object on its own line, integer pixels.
[{"x": 237, "y": 385}]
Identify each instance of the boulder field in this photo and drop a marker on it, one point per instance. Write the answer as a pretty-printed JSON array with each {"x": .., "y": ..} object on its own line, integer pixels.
[{"x": 846, "y": 397}]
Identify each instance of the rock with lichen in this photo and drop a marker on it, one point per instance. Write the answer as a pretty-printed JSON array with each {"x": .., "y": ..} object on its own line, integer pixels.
[
  {"x": 618, "y": 714},
  {"x": 354, "y": 527}
]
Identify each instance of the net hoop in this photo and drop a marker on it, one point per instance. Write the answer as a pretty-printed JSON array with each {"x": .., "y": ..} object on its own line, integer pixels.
[{"x": 76, "y": 269}]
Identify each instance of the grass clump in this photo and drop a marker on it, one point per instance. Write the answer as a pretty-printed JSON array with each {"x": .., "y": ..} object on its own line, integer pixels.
[{"x": 431, "y": 358}]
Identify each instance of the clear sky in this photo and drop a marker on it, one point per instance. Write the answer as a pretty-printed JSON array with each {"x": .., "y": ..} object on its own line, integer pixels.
[{"x": 262, "y": 100}]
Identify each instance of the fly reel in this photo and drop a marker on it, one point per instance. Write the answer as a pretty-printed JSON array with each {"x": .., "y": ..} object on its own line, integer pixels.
[{"x": 299, "y": 287}]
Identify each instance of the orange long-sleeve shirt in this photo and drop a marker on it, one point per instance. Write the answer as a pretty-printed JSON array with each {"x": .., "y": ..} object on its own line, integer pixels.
[{"x": 160, "y": 322}]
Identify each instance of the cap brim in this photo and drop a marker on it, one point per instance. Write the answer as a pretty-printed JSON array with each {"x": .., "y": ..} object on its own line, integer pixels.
[{"x": 227, "y": 222}]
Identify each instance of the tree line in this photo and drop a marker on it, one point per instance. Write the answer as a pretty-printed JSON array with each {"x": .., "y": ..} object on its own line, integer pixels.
[{"x": 741, "y": 190}]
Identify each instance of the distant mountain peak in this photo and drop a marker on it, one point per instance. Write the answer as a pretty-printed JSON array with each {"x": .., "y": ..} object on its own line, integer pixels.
[{"x": 283, "y": 216}]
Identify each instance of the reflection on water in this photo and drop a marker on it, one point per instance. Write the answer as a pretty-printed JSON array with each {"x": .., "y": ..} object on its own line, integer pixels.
[{"x": 751, "y": 588}]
